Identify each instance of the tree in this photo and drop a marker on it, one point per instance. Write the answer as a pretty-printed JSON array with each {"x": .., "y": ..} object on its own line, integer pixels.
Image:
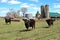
[
  {"x": 23, "y": 10},
  {"x": 18, "y": 13},
  {"x": 13, "y": 13},
  {"x": 8, "y": 15},
  {"x": 37, "y": 14}
]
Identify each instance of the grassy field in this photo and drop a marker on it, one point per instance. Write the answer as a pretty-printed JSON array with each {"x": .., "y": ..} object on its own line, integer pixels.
[{"x": 16, "y": 31}]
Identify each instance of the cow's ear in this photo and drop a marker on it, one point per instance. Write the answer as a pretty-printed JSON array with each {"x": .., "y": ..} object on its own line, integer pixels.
[{"x": 23, "y": 19}]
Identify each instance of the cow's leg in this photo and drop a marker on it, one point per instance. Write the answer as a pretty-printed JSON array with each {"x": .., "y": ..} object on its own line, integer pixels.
[
  {"x": 6, "y": 22},
  {"x": 34, "y": 26},
  {"x": 10, "y": 22},
  {"x": 51, "y": 22},
  {"x": 26, "y": 26}
]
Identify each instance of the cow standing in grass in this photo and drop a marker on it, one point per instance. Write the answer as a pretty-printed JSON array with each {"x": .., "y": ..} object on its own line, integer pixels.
[
  {"x": 29, "y": 23},
  {"x": 50, "y": 21},
  {"x": 7, "y": 20}
]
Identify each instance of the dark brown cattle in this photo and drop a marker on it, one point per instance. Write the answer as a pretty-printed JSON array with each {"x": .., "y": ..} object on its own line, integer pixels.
[
  {"x": 29, "y": 23},
  {"x": 50, "y": 21},
  {"x": 8, "y": 20}
]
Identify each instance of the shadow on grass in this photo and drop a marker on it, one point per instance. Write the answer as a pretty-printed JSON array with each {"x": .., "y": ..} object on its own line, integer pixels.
[
  {"x": 46, "y": 27},
  {"x": 6, "y": 24},
  {"x": 25, "y": 30},
  {"x": 15, "y": 31}
]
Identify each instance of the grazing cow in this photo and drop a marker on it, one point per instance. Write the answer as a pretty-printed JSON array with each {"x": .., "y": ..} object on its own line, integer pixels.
[
  {"x": 29, "y": 23},
  {"x": 7, "y": 20},
  {"x": 50, "y": 21}
]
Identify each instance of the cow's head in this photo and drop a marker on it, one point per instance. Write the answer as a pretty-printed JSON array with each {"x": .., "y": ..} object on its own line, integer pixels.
[{"x": 26, "y": 20}]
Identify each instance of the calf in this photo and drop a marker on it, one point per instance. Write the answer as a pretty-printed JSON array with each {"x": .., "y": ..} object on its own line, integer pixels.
[
  {"x": 8, "y": 20},
  {"x": 29, "y": 23},
  {"x": 50, "y": 21}
]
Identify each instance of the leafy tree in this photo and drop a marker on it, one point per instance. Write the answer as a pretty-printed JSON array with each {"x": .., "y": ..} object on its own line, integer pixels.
[
  {"x": 13, "y": 13},
  {"x": 23, "y": 10},
  {"x": 37, "y": 14}
]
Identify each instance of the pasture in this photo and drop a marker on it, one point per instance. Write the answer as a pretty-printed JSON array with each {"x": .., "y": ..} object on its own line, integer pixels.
[{"x": 17, "y": 31}]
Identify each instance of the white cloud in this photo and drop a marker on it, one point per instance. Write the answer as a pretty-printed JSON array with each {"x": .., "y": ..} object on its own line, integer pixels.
[
  {"x": 32, "y": 5},
  {"x": 55, "y": 8},
  {"x": 11, "y": 1},
  {"x": 31, "y": 8},
  {"x": 3, "y": 11},
  {"x": 27, "y": 5},
  {"x": 24, "y": 5},
  {"x": 2, "y": 8},
  {"x": 35, "y": 0},
  {"x": 56, "y": 5},
  {"x": 14, "y": 2},
  {"x": 4, "y": 1},
  {"x": 36, "y": 8},
  {"x": 58, "y": 11}
]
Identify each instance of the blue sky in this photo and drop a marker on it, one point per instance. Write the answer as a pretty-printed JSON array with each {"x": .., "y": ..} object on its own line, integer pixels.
[{"x": 32, "y": 5}]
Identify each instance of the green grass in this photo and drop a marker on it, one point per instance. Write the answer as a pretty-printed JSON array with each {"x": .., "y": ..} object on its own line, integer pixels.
[{"x": 15, "y": 31}]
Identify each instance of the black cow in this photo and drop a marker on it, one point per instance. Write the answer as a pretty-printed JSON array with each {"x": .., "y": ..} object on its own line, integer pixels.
[
  {"x": 7, "y": 20},
  {"x": 50, "y": 21},
  {"x": 29, "y": 23}
]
